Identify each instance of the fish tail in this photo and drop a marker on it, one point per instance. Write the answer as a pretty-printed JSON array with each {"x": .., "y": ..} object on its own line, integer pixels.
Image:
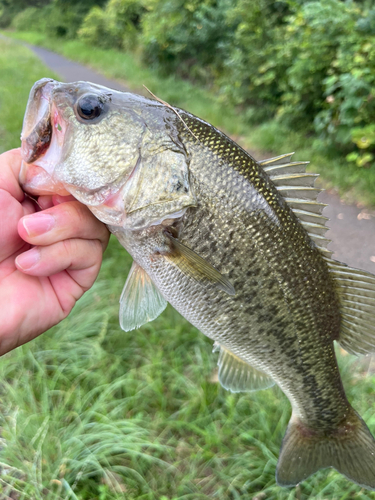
[{"x": 350, "y": 449}]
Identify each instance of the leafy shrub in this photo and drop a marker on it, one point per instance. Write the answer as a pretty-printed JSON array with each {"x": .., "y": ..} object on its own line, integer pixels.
[
  {"x": 116, "y": 25},
  {"x": 348, "y": 115},
  {"x": 256, "y": 63},
  {"x": 94, "y": 29},
  {"x": 64, "y": 17},
  {"x": 188, "y": 37},
  {"x": 309, "y": 64},
  {"x": 28, "y": 20},
  {"x": 312, "y": 41},
  {"x": 10, "y": 8}
]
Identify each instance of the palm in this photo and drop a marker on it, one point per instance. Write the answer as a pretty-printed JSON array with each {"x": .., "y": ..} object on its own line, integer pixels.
[
  {"x": 29, "y": 304},
  {"x": 32, "y": 299}
]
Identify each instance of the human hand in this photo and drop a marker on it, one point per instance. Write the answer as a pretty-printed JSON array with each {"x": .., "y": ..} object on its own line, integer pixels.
[{"x": 48, "y": 259}]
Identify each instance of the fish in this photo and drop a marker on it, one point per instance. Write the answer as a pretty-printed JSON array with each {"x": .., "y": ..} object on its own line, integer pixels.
[{"x": 236, "y": 245}]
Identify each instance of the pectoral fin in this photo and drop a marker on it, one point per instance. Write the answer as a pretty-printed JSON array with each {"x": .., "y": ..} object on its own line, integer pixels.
[
  {"x": 140, "y": 301},
  {"x": 196, "y": 267},
  {"x": 236, "y": 375}
]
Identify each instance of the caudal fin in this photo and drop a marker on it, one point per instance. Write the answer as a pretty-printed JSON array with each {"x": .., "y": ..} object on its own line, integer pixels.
[{"x": 350, "y": 449}]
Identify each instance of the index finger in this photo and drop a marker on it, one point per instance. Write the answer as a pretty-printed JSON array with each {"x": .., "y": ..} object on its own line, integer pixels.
[
  {"x": 62, "y": 222},
  {"x": 10, "y": 166}
]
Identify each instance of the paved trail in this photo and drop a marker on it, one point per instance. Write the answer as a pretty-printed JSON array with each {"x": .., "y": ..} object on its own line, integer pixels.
[{"x": 352, "y": 230}]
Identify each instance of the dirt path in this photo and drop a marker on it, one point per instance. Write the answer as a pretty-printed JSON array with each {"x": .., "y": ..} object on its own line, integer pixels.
[{"x": 352, "y": 230}]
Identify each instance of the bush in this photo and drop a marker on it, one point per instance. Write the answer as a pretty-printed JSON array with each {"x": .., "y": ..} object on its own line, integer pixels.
[
  {"x": 187, "y": 37},
  {"x": 116, "y": 25},
  {"x": 29, "y": 20},
  {"x": 313, "y": 39},
  {"x": 94, "y": 29},
  {"x": 308, "y": 64},
  {"x": 256, "y": 61},
  {"x": 10, "y": 8},
  {"x": 349, "y": 91}
]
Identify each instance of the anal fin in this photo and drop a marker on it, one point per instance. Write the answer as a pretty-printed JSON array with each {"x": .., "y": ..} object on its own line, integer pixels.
[
  {"x": 140, "y": 301},
  {"x": 236, "y": 375}
]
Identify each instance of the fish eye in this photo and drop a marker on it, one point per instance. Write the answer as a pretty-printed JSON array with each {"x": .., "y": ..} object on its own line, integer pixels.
[{"x": 89, "y": 106}]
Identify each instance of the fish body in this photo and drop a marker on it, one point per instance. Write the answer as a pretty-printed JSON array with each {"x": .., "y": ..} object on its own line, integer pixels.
[
  {"x": 285, "y": 308},
  {"x": 235, "y": 245}
]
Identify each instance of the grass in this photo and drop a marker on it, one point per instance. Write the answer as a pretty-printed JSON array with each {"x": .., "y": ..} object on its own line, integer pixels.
[
  {"x": 353, "y": 183},
  {"x": 18, "y": 74},
  {"x": 90, "y": 412}
]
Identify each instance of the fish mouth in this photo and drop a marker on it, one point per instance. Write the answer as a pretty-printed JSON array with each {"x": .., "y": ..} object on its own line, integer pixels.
[
  {"x": 42, "y": 139},
  {"x": 36, "y": 181},
  {"x": 37, "y": 129}
]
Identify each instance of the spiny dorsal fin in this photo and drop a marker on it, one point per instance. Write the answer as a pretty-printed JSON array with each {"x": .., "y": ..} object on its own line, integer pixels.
[
  {"x": 302, "y": 192},
  {"x": 356, "y": 290},
  {"x": 236, "y": 375},
  {"x": 307, "y": 205},
  {"x": 298, "y": 179},
  {"x": 191, "y": 264},
  {"x": 277, "y": 160},
  {"x": 306, "y": 216},
  {"x": 140, "y": 301},
  {"x": 298, "y": 189},
  {"x": 316, "y": 228}
]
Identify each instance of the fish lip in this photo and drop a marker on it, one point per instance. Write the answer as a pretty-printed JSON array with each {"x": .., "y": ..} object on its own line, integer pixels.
[
  {"x": 36, "y": 181},
  {"x": 37, "y": 127},
  {"x": 42, "y": 137}
]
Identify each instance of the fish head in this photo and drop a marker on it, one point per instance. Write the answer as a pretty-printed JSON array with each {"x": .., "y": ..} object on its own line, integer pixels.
[{"x": 118, "y": 153}]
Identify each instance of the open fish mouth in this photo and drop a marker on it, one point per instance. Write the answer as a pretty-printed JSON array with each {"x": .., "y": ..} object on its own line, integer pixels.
[
  {"x": 42, "y": 139},
  {"x": 37, "y": 128}
]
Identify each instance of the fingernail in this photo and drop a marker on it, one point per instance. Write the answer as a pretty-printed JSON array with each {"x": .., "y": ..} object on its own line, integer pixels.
[
  {"x": 29, "y": 259},
  {"x": 37, "y": 224}
]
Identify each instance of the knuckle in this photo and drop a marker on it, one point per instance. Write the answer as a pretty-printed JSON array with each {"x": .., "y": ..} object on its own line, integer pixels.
[
  {"x": 68, "y": 246},
  {"x": 97, "y": 247},
  {"x": 81, "y": 212}
]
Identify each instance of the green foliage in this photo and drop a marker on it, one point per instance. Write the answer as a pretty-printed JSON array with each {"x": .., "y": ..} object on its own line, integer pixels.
[
  {"x": 19, "y": 71},
  {"x": 356, "y": 184},
  {"x": 186, "y": 36},
  {"x": 347, "y": 117},
  {"x": 313, "y": 37},
  {"x": 254, "y": 68},
  {"x": 60, "y": 18},
  {"x": 115, "y": 26},
  {"x": 64, "y": 17},
  {"x": 10, "y": 8},
  {"x": 29, "y": 19},
  {"x": 94, "y": 29},
  {"x": 308, "y": 64}
]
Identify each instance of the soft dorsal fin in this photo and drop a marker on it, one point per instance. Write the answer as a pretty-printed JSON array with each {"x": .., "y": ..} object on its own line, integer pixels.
[
  {"x": 140, "y": 301},
  {"x": 356, "y": 290},
  {"x": 298, "y": 189},
  {"x": 236, "y": 375}
]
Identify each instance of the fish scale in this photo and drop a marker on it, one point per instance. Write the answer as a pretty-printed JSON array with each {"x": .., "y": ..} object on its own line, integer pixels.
[
  {"x": 255, "y": 231},
  {"x": 235, "y": 245}
]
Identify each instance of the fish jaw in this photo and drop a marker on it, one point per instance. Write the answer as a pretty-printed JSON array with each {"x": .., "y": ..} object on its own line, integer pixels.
[
  {"x": 36, "y": 129},
  {"x": 42, "y": 139},
  {"x": 36, "y": 181}
]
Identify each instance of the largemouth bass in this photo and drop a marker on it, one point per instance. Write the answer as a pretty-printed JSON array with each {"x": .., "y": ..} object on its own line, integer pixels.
[{"x": 235, "y": 245}]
